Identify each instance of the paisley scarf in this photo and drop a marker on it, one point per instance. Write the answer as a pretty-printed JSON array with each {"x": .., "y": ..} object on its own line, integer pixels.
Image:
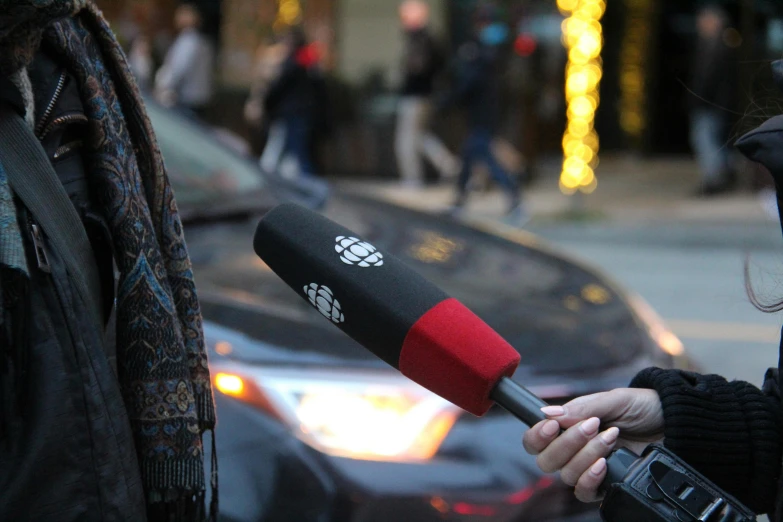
[{"x": 162, "y": 363}]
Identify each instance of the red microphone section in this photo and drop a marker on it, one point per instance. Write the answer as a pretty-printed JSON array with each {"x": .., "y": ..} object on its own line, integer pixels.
[{"x": 453, "y": 353}]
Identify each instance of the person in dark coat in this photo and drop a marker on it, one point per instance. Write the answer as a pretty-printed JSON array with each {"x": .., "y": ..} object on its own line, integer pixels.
[
  {"x": 105, "y": 390},
  {"x": 478, "y": 92},
  {"x": 730, "y": 431},
  {"x": 712, "y": 95},
  {"x": 297, "y": 99}
]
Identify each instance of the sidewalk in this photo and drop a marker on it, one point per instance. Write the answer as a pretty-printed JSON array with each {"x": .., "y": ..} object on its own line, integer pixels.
[{"x": 629, "y": 191}]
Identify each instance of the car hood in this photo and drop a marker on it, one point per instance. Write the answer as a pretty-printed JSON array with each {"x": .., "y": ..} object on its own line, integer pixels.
[{"x": 560, "y": 316}]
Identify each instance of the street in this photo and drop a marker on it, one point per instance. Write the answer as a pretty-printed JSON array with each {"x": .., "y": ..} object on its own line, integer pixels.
[{"x": 693, "y": 276}]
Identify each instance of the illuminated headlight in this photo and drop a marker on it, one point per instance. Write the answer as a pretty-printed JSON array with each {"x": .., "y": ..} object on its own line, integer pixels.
[
  {"x": 361, "y": 415},
  {"x": 660, "y": 333}
]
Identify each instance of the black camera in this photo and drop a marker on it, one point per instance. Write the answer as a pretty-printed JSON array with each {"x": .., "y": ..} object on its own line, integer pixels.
[{"x": 660, "y": 487}]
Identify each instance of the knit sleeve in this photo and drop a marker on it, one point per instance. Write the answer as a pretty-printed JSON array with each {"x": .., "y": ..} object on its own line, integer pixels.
[{"x": 729, "y": 431}]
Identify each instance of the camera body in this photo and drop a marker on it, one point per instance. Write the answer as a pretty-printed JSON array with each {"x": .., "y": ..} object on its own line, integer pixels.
[{"x": 660, "y": 487}]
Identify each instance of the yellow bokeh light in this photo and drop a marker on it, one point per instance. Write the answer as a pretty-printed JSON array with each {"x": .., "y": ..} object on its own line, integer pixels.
[
  {"x": 589, "y": 188},
  {"x": 581, "y": 107},
  {"x": 633, "y": 64},
  {"x": 579, "y": 127},
  {"x": 585, "y": 153},
  {"x": 577, "y": 83},
  {"x": 583, "y": 37},
  {"x": 289, "y": 12},
  {"x": 567, "y": 5}
]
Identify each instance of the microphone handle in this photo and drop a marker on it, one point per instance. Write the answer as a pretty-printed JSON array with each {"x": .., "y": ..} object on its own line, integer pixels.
[
  {"x": 519, "y": 401},
  {"x": 526, "y": 406}
]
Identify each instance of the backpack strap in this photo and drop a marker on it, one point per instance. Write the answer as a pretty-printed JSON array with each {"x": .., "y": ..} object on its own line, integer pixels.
[{"x": 33, "y": 179}]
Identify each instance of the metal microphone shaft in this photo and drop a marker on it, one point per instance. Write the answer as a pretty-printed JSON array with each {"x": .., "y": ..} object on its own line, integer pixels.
[
  {"x": 519, "y": 401},
  {"x": 526, "y": 406}
]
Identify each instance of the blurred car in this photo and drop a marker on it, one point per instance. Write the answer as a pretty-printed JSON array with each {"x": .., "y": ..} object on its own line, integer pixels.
[{"x": 312, "y": 427}]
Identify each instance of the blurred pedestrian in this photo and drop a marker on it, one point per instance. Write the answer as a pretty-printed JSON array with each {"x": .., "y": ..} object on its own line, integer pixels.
[
  {"x": 185, "y": 79},
  {"x": 141, "y": 62},
  {"x": 422, "y": 61},
  {"x": 269, "y": 60},
  {"x": 477, "y": 91},
  {"x": 297, "y": 104},
  {"x": 104, "y": 384},
  {"x": 712, "y": 84}
]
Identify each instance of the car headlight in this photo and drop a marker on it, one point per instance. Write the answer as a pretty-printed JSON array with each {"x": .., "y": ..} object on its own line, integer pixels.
[
  {"x": 360, "y": 415},
  {"x": 656, "y": 327}
]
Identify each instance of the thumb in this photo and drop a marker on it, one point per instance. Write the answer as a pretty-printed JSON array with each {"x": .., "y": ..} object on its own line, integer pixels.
[{"x": 605, "y": 405}]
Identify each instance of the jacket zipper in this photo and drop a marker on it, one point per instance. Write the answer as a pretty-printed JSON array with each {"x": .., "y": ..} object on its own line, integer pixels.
[
  {"x": 48, "y": 112},
  {"x": 40, "y": 249},
  {"x": 62, "y": 150},
  {"x": 61, "y": 120}
]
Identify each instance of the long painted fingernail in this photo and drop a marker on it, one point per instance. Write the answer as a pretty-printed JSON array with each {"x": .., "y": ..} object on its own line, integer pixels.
[
  {"x": 553, "y": 411},
  {"x": 550, "y": 428},
  {"x": 590, "y": 426},
  {"x": 598, "y": 467},
  {"x": 610, "y": 436}
]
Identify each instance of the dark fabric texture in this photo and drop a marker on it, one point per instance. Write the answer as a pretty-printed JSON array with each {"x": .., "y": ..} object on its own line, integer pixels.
[
  {"x": 729, "y": 431},
  {"x": 764, "y": 145},
  {"x": 22, "y": 23},
  {"x": 714, "y": 78},
  {"x": 162, "y": 364},
  {"x": 478, "y": 149},
  {"x": 422, "y": 62},
  {"x": 477, "y": 87},
  {"x": 66, "y": 445},
  {"x": 296, "y": 92}
]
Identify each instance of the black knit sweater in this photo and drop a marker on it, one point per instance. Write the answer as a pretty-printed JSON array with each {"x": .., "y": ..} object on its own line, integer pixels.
[{"x": 729, "y": 431}]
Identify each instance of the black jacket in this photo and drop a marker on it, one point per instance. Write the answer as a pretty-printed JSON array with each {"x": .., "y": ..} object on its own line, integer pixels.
[
  {"x": 713, "y": 81},
  {"x": 67, "y": 450},
  {"x": 298, "y": 92},
  {"x": 422, "y": 61},
  {"x": 731, "y": 431},
  {"x": 477, "y": 87}
]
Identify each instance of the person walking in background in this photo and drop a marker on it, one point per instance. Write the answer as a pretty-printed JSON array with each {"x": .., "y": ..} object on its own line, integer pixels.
[
  {"x": 712, "y": 86},
  {"x": 297, "y": 104},
  {"x": 269, "y": 61},
  {"x": 477, "y": 90},
  {"x": 141, "y": 62},
  {"x": 422, "y": 61},
  {"x": 185, "y": 80}
]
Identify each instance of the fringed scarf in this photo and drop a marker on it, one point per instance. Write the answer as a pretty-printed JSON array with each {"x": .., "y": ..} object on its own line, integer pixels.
[{"x": 162, "y": 363}]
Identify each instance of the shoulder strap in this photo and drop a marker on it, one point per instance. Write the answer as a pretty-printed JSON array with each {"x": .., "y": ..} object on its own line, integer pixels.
[{"x": 34, "y": 181}]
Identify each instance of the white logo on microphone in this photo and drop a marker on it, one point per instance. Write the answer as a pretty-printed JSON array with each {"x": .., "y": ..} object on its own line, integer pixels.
[
  {"x": 323, "y": 300},
  {"x": 354, "y": 251}
]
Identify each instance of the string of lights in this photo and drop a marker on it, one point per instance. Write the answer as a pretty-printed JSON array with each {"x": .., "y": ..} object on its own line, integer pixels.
[{"x": 583, "y": 38}]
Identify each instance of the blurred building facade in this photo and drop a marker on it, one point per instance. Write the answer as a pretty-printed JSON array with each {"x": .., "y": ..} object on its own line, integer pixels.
[{"x": 647, "y": 51}]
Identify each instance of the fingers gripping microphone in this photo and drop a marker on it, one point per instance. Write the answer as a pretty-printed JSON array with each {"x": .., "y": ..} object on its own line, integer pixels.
[{"x": 394, "y": 312}]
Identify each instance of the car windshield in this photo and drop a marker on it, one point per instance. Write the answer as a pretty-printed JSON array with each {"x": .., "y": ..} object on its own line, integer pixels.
[{"x": 200, "y": 168}]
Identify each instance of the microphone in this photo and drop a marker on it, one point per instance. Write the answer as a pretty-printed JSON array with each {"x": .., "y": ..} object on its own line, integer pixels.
[{"x": 394, "y": 312}]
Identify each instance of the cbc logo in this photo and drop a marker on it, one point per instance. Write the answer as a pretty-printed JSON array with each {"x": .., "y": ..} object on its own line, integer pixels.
[
  {"x": 354, "y": 251},
  {"x": 322, "y": 298}
]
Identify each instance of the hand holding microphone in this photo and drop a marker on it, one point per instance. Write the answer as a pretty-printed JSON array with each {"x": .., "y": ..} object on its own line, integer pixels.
[{"x": 635, "y": 415}]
